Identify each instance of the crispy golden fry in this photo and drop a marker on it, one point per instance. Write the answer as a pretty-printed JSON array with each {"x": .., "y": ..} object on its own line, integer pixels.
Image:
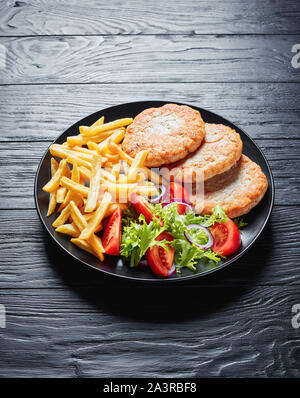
[
  {"x": 64, "y": 153},
  {"x": 88, "y": 151},
  {"x": 98, "y": 122},
  {"x": 78, "y": 140},
  {"x": 77, "y": 216},
  {"x": 93, "y": 146},
  {"x": 54, "y": 166},
  {"x": 52, "y": 199},
  {"x": 62, "y": 218},
  {"x": 80, "y": 162},
  {"x": 112, "y": 158},
  {"x": 74, "y": 186},
  {"x": 90, "y": 131},
  {"x": 83, "y": 244},
  {"x": 94, "y": 185},
  {"x": 138, "y": 162},
  {"x": 107, "y": 175},
  {"x": 97, "y": 218},
  {"x": 120, "y": 192},
  {"x": 146, "y": 190},
  {"x": 85, "y": 173},
  {"x": 63, "y": 169},
  {"x": 61, "y": 194},
  {"x": 95, "y": 242},
  {"x": 116, "y": 137},
  {"x": 68, "y": 229},
  {"x": 115, "y": 171},
  {"x": 75, "y": 176},
  {"x": 117, "y": 149}
]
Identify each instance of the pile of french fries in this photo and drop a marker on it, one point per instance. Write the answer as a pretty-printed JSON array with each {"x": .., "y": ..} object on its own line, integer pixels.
[{"x": 93, "y": 178}]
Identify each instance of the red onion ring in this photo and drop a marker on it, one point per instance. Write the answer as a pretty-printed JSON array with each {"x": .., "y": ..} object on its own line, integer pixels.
[
  {"x": 207, "y": 245},
  {"x": 172, "y": 270},
  {"x": 160, "y": 197}
]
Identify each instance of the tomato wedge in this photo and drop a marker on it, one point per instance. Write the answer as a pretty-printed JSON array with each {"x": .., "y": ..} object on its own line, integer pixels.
[
  {"x": 178, "y": 192},
  {"x": 111, "y": 239},
  {"x": 159, "y": 259},
  {"x": 227, "y": 239},
  {"x": 141, "y": 207}
]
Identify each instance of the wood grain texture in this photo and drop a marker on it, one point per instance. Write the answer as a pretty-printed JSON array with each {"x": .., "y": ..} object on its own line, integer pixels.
[
  {"x": 44, "y": 17},
  {"x": 91, "y": 332},
  {"x": 30, "y": 259},
  {"x": 42, "y": 112},
  {"x": 116, "y": 59},
  {"x": 18, "y": 171}
]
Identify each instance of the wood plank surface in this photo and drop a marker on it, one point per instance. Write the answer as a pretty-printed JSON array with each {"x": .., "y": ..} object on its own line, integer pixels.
[
  {"x": 32, "y": 260},
  {"x": 44, "y": 17},
  {"x": 42, "y": 112},
  {"x": 164, "y": 58},
  {"x": 92, "y": 332}
]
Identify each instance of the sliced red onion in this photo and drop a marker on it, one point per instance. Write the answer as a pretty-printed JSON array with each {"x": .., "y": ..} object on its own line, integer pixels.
[
  {"x": 209, "y": 236},
  {"x": 188, "y": 208},
  {"x": 160, "y": 197},
  {"x": 172, "y": 270}
]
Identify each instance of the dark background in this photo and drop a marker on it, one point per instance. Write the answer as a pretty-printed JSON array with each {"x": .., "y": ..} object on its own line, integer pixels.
[{"x": 66, "y": 59}]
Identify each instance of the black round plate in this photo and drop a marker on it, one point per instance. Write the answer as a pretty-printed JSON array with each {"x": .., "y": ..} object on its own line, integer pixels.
[{"x": 114, "y": 266}]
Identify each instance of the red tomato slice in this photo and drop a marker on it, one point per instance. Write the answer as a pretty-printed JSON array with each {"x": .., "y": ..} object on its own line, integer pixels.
[
  {"x": 141, "y": 207},
  {"x": 227, "y": 239},
  {"x": 159, "y": 259},
  {"x": 178, "y": 192},
  {"x": 111, "y": 239}
]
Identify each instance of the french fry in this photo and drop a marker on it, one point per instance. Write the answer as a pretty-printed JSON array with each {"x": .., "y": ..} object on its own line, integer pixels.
[
  {"x": 120, "y": 192},
  {"x": 93, "y": 146},
  {"x": 62, "y": 218},
  {"x": 138, "y": 162},
  {"x": 85, "y": 173},
  {"x": 88, "y": 151},
  {"x": 75, "y": 176},
  {"x": 94, "y": 185},
  {"x": 68, "y": 229},
  {"x": 74, "y": 186},
  {"x": 116, "y": 137},
  {"x": 77, "y": 217},
  {"x": 62, "y": 170},
  {"x": 98, "y": 122},
  {"x": 60, "y": 194},
  {"x": 97, "y": 218},
  {"x": 62, "y": 152},
  {"x": 95, "y": 242},
  {"x": 80, "y": 162},
  {"x": 116, "y": 170},
  {"x": 52, "y": 199},
  {"x": 92, "y": 131},
  {"x": 117, "y": 149},
  {"x": 83, "y": 245},
  {"x": 146, "y": 190},
  {"x": 79, "y": 139}
]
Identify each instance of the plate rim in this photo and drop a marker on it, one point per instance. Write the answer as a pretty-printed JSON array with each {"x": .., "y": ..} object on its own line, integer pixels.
[{"x": 158, "y": 280}]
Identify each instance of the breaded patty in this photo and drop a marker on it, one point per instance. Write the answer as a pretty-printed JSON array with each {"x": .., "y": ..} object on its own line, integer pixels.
[
  {"x": 237, "y": 190},
  {"x": 221, "y": 149},
  {"x": 169, "y": 133}
]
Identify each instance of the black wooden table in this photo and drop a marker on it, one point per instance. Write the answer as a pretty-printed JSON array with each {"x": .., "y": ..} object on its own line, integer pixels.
[{"x": 66, "y": 59}]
